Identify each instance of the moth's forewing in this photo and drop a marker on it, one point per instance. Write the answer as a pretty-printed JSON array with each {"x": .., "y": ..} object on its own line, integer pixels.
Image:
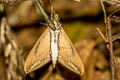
[
  {"x": 40, "y": 53},
  {"x": 68, "y": 56}
]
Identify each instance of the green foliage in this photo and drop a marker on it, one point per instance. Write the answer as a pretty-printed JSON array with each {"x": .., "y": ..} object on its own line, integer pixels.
[{"x": 76, "y": 30}]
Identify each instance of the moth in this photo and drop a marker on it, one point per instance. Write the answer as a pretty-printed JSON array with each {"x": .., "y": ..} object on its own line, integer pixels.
[{"x": 54, "y": 45}]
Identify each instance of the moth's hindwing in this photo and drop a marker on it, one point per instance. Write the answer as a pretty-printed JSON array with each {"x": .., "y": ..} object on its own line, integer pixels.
[
  {"x": 68, "y": 56},
  {"x": 40, "y": 53}
]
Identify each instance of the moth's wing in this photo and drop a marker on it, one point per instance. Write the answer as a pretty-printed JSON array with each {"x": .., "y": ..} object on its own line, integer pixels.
[
  {"x": 68, "y": 56},
  {"x": 40, "y": 53}
]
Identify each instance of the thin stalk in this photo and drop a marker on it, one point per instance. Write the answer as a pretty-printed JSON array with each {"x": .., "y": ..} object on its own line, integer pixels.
[
  {"x": 109, "y": 33},
  {"x": 104, "y": 11},
  {"x": 51, "y": 25}
]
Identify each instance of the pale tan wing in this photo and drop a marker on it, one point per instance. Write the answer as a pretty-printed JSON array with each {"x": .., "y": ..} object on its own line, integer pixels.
[
  {"x": 68, "y": 56},
  {"x": 40, "y": 53}
]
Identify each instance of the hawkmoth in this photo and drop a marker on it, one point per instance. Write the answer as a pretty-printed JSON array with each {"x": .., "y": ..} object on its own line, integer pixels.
[
  {"x": 54, "y": 45},
  {"x": 44, "y": 49}
]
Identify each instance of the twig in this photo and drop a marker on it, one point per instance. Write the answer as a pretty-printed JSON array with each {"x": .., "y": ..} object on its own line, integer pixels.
[
  {"x": 105, "y": 15},
  {"x": 110, "y": 44},
  {"x": 109, "y": 39},
  {"x": 109, "y": 35},
  {"x": 101, "y": 34},
  {"x": 115, "y": 37},
  {"x": 105, "y": 39},
  {"x": 51, "y": 25}
]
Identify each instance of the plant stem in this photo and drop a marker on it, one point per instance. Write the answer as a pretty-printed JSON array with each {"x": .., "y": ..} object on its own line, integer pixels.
[
  {"x": 105, "y": 15},
  {"x": 51, "y": 25},
  {"x": 109, "y": 35}
]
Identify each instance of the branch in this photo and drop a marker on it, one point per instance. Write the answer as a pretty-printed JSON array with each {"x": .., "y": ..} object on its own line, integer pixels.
[
  {"x": 109, "y": 35},
  {"x": 114, "y": 38},
  {"x": 101, "y": 34},
  {"x": 109, "y": 40}
]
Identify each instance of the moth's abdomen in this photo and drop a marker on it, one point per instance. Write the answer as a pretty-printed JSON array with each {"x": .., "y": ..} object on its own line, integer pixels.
[
  {"x": 54, "y": 47},
  {"x": 54, "y": 54}
]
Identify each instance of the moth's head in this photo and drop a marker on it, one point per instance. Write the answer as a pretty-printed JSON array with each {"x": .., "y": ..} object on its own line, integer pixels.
[{"x": 56, "y": 22}]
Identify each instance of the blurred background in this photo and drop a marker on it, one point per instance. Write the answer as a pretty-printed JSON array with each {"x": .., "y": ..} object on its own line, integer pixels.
[{"x": 21, "y": 25}]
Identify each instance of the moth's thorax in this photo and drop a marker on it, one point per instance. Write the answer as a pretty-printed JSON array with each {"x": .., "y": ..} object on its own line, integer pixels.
[
  {"x": 56, "y": 22},
  {"x": 54, "y": 45}
]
